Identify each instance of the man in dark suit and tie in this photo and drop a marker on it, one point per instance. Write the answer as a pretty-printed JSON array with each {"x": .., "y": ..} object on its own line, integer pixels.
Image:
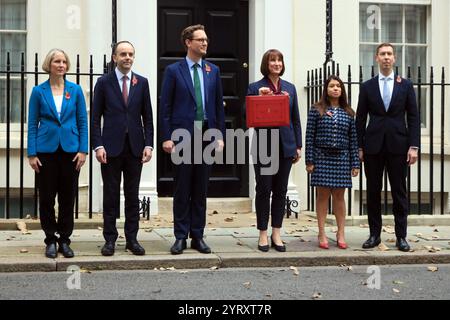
[
  {"x": 390, "y": 141},
  {"x": 191, "y": 92},
  {"x": 125, "y": 142}
]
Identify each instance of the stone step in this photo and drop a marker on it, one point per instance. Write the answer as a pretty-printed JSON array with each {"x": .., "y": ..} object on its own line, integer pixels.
[{"x": 221, "y": 205}]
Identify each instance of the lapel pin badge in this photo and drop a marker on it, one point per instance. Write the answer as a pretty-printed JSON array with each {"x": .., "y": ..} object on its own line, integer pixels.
[
  {"x": 134, "y": 81},
  {"x": 67, "y": 95}
]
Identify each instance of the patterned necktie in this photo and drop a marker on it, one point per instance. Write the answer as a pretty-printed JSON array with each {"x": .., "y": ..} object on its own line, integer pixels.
[
  {"x": 386, "y": 94},
  {"x": 199, "y": 116},
  {"x": 125, "y": 89}
]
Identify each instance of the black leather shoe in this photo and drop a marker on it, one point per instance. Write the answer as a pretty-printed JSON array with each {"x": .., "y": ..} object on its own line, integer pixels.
[
  {"x": 50, "y": 250},
  {"x": 178, "y": 246},
  {"x": 372, "y": 242},
  {"x": 65, "y": 250},
  {"x": 264, "y": 248},
  {"x": 281, "y": 248},
  {"x": 402, "y": 245},
  {"x": 135, "y": 248},
  {"x": 108, "y": 249},
  {"x": 200, "y": 245}
]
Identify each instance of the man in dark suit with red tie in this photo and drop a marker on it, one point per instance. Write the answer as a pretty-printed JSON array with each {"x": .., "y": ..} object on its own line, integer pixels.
[
  {"x": 125, "y": 142},
  {"x": 389, "y": 141},
  {"x": 191, "y": 92}
]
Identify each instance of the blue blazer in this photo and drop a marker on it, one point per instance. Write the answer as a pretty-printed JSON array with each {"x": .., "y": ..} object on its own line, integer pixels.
[
  {"x": 119, "y": 118},
  {"x": 291, "y": 136},
  {"x": 398, "y": 128},
  {"x": 47, "y": 131},
  {"x": 178, "y": 104}
]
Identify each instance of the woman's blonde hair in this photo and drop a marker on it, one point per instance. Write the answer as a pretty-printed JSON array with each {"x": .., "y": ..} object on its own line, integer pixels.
[{"x": 50, "y": 55}]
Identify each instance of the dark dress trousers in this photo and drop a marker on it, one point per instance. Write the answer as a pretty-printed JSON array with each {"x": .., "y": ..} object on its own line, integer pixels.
[
  {"x": 385, "y": 141},
  {"x": 127, "y": 129}
]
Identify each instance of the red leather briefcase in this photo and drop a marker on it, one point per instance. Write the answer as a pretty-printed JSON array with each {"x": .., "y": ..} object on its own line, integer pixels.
[{"x": 267, "y": 111}]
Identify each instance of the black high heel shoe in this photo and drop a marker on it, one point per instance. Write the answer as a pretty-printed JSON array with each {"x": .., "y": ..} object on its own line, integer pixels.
[
  {"x": 281, "y": 248},
  {"x": 263, "y": 248}
]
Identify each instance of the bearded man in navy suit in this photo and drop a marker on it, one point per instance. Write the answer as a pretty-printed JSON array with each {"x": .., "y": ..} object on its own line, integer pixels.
[
  {"x": 124, "y": 143},
  {"x": 191, "y": 95},
  {"x": 389, "y": 141}
]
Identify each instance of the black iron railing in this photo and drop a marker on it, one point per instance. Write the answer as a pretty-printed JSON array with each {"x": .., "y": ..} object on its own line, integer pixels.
[
  {"x": 426, "y": 91},
  {"x": 8, "y": 75}
]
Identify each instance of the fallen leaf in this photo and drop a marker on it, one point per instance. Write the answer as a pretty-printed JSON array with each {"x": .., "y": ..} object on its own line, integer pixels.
[
  {"x": 23, "y": 251},
  {"x": 235, "y": 213},
  {"x": 239, "y": 243},
  {"x": 383, "y": 247},
  {"x": 388, "y": 230},
  {"x": 253, "y": 224},
  {"x": 296, "y": 273},
  {"x": 99, "y": 228},
  {"x": 435, "y": 230},
  {"x": 121, "y": 237},
  {"x": 247, "y": 284},
  {"x": 391, "y": 240},
  {"x": 28, "y": 217},
  {"x": 148, "y": 230},
  {"x": 432, "y": 268},
  {"x": 435, "y": 237},
  {"x": 397, "y": 282},
  {"x": 213, "y": 229},
  {"x": 317, "y": 295},
  {"x": 364, "y": 225},
  {"x": 215, "y": 212},
  {"x": 414, "y": 240},
  {"x": 396, "y": 290},
  {"x": 22, "y": 226},
  {"x": 418, "y": 234},
  {"x": 162, "y": 269},
  {"x": 214, "y": 268},
  {"x": 183, "y": 272},
  {"x": 171, "y": 268},
  {"x": 268, "y": 295},
  {"x": 82, "y": 270},
  {"x": 349, "y": 268},
  {"x": 229, "y": 219}
]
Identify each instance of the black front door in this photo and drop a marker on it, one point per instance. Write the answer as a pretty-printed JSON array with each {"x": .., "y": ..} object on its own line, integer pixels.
[{"x": 226, "y": 24}]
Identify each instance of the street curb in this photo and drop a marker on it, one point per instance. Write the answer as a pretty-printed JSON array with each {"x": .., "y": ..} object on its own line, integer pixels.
[
  {"x": 223, "y": 260},
  {"x": 150, "y": 262},
  {"x": 35, "y": 264}
]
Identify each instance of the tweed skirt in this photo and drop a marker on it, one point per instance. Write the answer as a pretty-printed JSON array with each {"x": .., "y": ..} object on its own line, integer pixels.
[{"x": 332, "y": 168}]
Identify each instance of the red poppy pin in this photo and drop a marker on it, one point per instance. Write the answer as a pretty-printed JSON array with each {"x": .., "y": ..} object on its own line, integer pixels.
[
  {"x": 329, "y": 113},
  {"x": 207, "y": 68},
  {"x": 399, "y": 79},
  {"x": 67, "y": 95},
  {"x": 134, "y": 81},
  {"x": 285, "y": 93}
]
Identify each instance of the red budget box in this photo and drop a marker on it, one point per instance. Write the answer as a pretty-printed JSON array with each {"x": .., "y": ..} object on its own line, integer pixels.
[{"x": 267, "y": 111}]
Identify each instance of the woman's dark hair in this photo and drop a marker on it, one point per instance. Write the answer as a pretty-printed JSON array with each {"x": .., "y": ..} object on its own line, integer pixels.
[
  {"x": 266, "y": 58},
  {"x": 324, "y": 101}
]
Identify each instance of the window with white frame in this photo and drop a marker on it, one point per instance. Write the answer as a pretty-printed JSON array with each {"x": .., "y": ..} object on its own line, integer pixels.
[
  {"x": 406, "y": 27},
  {"x": 13, "y": 39}
]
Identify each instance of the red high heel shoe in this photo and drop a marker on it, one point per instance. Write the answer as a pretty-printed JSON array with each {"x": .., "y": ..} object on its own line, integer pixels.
[
  {"x": 341, "y": 244},
  {"x": 323, "y": 245}
]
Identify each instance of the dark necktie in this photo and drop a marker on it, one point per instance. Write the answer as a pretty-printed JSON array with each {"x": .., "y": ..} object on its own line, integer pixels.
[
  {"x": 125, "y": 89},
  {"x": 199, "y": 116}
]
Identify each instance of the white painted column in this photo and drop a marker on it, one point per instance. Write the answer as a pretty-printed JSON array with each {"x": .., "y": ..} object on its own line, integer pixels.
[
  {"x": 99, "y": 39},
  {"x": 271, "y": 26},
  {"x": 137, "y": 23}
]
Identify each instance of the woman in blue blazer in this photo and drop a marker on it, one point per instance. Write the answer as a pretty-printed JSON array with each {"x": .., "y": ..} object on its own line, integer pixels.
[
  {"x": 290, "y": 146},
  {"x": 332, "y": 154},
  {"x": 57, "y": 148}
]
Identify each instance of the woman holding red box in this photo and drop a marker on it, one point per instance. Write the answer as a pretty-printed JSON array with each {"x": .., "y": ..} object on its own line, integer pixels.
[{"x": 289, "y": 152}]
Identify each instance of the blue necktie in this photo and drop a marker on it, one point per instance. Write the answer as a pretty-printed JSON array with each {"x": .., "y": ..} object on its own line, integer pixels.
[
  {"x": 386, "y": 94},
  {"x": 199, "y": 116}
]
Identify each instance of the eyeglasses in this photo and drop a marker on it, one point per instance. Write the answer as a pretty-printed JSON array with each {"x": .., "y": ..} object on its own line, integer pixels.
[{"x": 201, "y": 40}]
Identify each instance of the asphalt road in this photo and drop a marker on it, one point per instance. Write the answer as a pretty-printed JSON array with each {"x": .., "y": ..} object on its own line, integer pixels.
[{"x": 397, "y": 282}]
